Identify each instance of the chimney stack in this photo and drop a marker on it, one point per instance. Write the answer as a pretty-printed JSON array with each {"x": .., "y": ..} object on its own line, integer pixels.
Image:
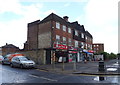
[{"x": 66, "y": 18}]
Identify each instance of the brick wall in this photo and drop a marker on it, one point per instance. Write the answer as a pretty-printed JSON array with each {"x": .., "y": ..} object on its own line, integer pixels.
[
  {"x": 38, "y": 56},
  {"x": 44, "y": 35}
]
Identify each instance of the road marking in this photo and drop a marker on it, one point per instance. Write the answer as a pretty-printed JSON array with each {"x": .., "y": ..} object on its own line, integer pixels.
[
  {"x": 34, "y": 76},
  {"x": 41, "y": 70},
  {"x": 48, "y": 79},
  {"x": 43, "y": 78}
]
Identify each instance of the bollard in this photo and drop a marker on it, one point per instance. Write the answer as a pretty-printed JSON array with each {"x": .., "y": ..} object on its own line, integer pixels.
[{"x": 101, "y": 66}]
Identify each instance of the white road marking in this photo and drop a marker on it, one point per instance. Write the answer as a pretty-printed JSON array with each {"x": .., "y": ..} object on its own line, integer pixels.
[{"x": 44, "y": 78}]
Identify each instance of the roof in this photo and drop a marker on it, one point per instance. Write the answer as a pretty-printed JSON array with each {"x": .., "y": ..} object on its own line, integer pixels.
[
  {"x": 78, "y": 26},
  {"x": 9, "y": 46},
  {"x": 88, "y": 34},
  {"x": 55, "y": 17}
]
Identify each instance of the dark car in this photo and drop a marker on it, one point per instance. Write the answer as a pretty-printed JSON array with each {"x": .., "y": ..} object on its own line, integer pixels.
[{"x": 22, "y": 62}]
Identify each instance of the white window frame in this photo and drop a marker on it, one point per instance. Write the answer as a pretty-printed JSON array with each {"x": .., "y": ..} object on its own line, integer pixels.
[
  {"x": 57, "y": 38},
  {"x": 69, "y": 41},
  {"x": 64, "y": 40},
  {"x": 82, "y": 35},
  {"x": 76, "y": 32},
  {"x": 64, "y": 28},
  {"x": 76, "y": 43},
  {"x": 57, "y": 25},
  {"x": 69, "y": 30}
]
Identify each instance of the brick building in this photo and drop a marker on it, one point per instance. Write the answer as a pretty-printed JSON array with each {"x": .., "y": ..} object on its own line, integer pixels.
[
  {"x": 98, "y": 47},
  {"x": 57, "y": 35},
  {"x": 9, "y": 48}
]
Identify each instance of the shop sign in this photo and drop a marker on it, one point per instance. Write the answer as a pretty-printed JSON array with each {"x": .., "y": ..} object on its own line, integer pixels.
[
  {"x": 72, "y": 51},
  {"x": 91, "y": 51},
  {"x": 60, "y": 46},
  {"x": 72, "y": 48}
]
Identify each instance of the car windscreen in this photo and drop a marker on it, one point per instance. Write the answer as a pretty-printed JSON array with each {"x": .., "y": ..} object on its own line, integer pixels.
[{"x": 24, "y": 59}]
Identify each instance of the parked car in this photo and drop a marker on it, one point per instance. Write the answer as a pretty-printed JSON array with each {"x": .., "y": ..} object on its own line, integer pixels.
[
  {"x": 1, "y": 58},
  {"x": 22, "y": 62},
  {"x": 8, "y": 57}
]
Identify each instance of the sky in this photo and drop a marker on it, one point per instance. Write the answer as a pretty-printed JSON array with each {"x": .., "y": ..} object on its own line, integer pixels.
[{"x": 99, "y": 17}]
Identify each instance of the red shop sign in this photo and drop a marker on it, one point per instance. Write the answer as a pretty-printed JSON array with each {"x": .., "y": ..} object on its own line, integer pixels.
[
  {"x": 90, "y": 51},
  {"x": 60, "y": 46}
]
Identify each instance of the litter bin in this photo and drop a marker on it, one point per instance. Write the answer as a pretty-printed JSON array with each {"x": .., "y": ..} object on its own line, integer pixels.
[{"x": 101, "y": 66}]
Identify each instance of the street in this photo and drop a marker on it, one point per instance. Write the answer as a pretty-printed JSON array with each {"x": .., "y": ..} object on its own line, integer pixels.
[{"x": 17, "y": 75}]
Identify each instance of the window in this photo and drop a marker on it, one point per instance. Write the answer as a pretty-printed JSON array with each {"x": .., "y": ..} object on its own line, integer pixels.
[
  {"x": 69, "y": 41},
  {"x": 58, "y": 25},
  {"x": 86, "y": 37},
  {"x": 76, "y": 43},
  {"x": 76, "y": 32},
  {"x": 57, "y": 39},
  {"x": 69, "y": 30},
  {"x": 64, "y": 28},
  {"x": 64, "y": 40},
  {"x": 82, "y": 35},
  {"x": 86, "y": 46},
  {"x": 82, "y": 44}
]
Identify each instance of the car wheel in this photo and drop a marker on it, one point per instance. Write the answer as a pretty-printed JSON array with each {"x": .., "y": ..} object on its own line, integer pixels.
[
  {"x": 21, "y": 66},
  {"x": 11, "y": 65}
]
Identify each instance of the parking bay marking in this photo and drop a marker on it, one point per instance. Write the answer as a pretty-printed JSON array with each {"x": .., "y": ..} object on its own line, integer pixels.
[{"x": 43, "y": 78}]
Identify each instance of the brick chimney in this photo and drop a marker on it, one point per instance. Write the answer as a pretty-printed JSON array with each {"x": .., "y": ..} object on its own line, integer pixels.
[{"x": 66, "y": 18}]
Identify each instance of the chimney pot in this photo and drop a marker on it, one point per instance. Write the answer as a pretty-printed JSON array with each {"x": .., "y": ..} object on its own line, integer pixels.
[{"x": 66, "y": 18}]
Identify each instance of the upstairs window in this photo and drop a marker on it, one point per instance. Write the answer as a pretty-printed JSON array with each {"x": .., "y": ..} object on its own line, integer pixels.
[
  {"x": 57, "y": 39},
  {"x": 69, "y": 30},
  {"x": 76, "y": 43},
  {"x": 76, "y": 32},
  {"x": 69, "y": 41},
  {"x": 57, "y": 25},
  {"x": 64, "y": 28},
  {"x": 82, "y": 35},
  {"x": 64, "y": 40}
]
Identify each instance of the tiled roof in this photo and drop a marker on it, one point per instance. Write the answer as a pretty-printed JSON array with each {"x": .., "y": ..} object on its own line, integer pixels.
[
  {"x": 88, "y": 34},
  {"x": 9, "y": 46},
  {"x": 55, "y": 17}
]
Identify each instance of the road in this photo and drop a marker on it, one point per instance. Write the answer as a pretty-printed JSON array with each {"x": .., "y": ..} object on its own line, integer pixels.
[{"x": 17, "y": 75}]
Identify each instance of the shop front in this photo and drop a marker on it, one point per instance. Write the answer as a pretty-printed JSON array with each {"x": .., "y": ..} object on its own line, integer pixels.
[
  {"x": 72, "y": 54},
  {"x": 88, "y": 55},
  {"x": 61, "y": 53}
]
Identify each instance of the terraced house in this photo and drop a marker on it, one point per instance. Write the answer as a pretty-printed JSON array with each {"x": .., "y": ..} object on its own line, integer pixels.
[{"x": 57, "y": 37}]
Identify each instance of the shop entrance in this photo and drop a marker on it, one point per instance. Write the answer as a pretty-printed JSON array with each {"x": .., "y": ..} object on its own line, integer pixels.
[{"x": 60, "y": 55}]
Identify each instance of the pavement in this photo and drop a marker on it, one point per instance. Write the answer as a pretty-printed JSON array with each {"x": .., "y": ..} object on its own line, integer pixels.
[{"x": 89, "y": 68}]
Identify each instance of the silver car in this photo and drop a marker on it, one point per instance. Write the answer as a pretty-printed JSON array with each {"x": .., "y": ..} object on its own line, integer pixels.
[{"x": 22, "y": 62}]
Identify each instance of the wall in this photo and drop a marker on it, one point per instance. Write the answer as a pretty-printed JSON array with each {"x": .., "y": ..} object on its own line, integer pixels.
[
  {"x": 38, "y": 56},
  {"x": 44, "y": 35}
]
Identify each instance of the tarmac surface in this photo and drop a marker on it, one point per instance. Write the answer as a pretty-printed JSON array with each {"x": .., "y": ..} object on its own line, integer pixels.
[{"x": 89, "y": 68}]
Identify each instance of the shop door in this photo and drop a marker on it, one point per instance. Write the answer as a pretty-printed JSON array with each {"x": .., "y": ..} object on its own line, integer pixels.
[{"x": 48, "y": 56}]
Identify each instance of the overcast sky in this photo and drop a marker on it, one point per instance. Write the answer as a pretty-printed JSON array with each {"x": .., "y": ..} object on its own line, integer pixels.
[{"x": 99, "y": 17}]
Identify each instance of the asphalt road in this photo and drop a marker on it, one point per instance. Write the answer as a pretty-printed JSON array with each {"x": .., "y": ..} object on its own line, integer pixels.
[{"x": 17, "y": 75}]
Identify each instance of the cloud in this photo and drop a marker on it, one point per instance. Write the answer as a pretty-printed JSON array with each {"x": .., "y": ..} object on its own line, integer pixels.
[
  {"x": 67, "y": 4},
  {"x": 101, "y": 19},
  {"x": 15, "y": 30}
]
